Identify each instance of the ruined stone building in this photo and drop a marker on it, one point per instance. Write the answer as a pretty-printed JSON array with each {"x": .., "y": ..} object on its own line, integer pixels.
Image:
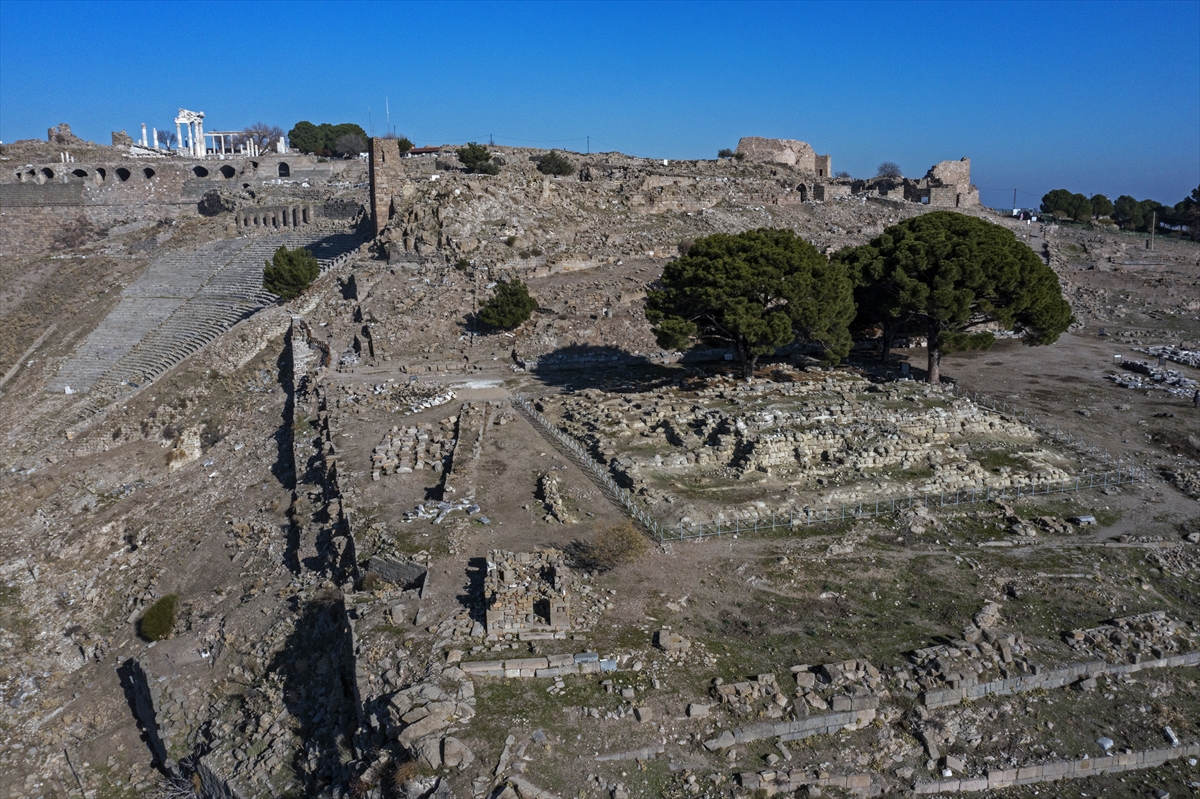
[{"x": 947, "y": 184}]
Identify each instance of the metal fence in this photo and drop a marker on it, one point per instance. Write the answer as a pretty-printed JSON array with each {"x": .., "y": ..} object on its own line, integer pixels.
[{"x": 804, "y": 517}]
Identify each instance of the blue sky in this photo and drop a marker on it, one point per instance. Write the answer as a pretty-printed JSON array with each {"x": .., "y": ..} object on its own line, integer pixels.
[{"x": 1094, "y": 97}]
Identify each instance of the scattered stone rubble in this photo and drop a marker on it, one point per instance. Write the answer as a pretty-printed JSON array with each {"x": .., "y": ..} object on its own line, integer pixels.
[
  {"x": 555, "y": 510},
  {"x": 1129, "y": 638},
  {"x": 815, "y": 430},
  {"x": 413, "y": 448},
  {"x": 1173, "y": 352},
  {"x": 421, "y": 718},
  {"x": 1147, "y": 376},
  {"x": 393, "y": 397}
]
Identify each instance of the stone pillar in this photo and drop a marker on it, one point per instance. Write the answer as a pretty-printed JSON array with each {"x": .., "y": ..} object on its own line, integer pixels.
[
  {"x": 178, "y": 138},
  {"x": 200, "y": 135},
  {"x": 144, "y": 134},
  {"x": 154, "y": 144}
]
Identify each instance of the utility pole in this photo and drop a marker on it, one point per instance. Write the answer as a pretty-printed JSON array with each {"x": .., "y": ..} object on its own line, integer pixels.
[
  {"x": 1153, "y": 225},
  {"x": 490, "y": 142},
  {"x": 1014, "y": 202},
  {"x": 589, "y": 146},
  {"x": 370, "y": 122},
  {"x": 388, "y": 109}
]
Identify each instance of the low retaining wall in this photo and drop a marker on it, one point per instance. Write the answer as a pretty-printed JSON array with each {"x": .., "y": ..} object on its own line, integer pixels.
[
  {"x": 549, "y": 666},
  {"x": 1059, "y": 770},
  {"x": 860, "y": 714},
  {"x": 773, "y": 782},
  {"x": 1056, "y": 678}
]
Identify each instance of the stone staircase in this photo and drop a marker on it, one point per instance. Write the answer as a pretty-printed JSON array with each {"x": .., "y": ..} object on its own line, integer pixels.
[{"x": 180, "y": 303}]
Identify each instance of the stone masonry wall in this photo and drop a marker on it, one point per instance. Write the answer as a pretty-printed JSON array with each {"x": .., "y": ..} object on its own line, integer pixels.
[{"x": 383, "y": 163}]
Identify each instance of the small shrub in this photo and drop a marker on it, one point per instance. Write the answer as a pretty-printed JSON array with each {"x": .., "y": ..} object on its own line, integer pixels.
[
  {"x": 290, "y": 272},
  {"x": 158, "y": 622},
  {"x": 509, "y": 307},
  {"x": 462, "y": 264},
  {"x": 725, "y": 152},
  {"x": 739, "y": 155},
  {"x": 609, "y": 549},
  {"x": 478, "y": 159},
  {"x": 554, "y": 164}
]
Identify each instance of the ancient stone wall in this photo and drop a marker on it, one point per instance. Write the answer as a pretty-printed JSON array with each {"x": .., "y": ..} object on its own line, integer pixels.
[
  {"x": 947, "y": 184},
  {"x": 757, "y": 149},
  {"x": 386, "y": 173},
  {"x": 45, "y": 203}
]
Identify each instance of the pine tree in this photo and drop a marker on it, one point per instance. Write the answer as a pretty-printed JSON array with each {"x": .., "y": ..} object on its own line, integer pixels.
[
  {"x": 290, "y": 272},
  {"x": 510, "y": 306},
  {"x": 478, "y": 159},
  {"x": 946, "y": 274},
  {"x": 753, "y": 291},
  {"x": 554, "y": 164}
]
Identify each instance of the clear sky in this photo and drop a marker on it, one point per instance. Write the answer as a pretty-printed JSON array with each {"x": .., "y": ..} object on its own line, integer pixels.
[{"x": 1093, "y": 97}]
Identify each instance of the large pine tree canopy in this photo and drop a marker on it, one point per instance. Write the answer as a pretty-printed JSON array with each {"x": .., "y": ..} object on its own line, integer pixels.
[
  {"x": 753, "y": 291},
  {"x": 946, "y": 273}
]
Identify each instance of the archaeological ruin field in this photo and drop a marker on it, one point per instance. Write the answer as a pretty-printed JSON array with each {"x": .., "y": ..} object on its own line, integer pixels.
[{"x": 413, "y": 557}]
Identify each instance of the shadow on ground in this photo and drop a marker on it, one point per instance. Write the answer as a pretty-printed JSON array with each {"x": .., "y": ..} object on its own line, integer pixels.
[{"x": 316, "y": 667}]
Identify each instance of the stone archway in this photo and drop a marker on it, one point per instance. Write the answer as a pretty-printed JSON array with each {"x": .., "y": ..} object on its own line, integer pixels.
[{"x": 285, "y": 171}]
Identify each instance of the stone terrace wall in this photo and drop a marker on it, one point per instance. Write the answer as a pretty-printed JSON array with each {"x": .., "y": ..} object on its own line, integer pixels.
[
  {"x": 1058, "y": 770},
  {"x": 1055, "y": 678}
]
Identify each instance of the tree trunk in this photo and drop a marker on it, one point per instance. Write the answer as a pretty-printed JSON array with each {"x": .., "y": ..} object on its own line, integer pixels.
[
  {"x": 886, "y": 337},
  {"x": 934, "y": 345},
  {"x": 748, "y": 364},
  {"x": 747, "y": 361}
]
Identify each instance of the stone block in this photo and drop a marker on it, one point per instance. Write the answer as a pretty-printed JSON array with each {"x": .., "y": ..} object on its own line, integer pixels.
[
  {"x": 400, "y": 573},
  {"x": 547, "y": 672},
  {"x": 474, "y": 667},
  {"x": 592, "y": 667},
  {"x": 1028, "y": 774},
  {"x": 1154, "y": 757},
  {"x": 971, "y": 784},
  {"x": 643, "y": 714},
  {"x": 587, "y": 657},
  {"x": 864, "y": 703},
  {"x": 722, "y": 741},
  {"x": 526, "y": 663},
  {"x": 858, "y": 781},
  {"x": 696, "y": 710},
  {"x": 608, "y": 665},
  {"x": 555, "y": 661},
  {"x": 1001, "y": 778},
  {"x": 1054, "y": 771}
]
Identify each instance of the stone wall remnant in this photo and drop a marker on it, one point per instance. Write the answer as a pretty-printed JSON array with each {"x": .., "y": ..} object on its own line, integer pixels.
[
  {"x": 789, "y": 152},
  {"x": 527, "y": 593}
]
